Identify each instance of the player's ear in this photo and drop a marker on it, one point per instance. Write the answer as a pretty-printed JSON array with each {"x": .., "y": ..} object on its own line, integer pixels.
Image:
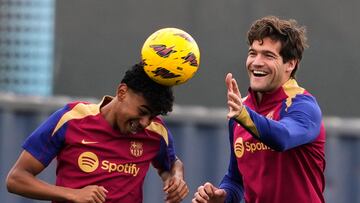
[
  {"x": 291, "y": 64},
  {"x": 121, "y": 91}
]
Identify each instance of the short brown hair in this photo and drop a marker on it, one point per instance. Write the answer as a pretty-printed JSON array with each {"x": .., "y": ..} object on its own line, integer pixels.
[{"x": 288, "y": 32}]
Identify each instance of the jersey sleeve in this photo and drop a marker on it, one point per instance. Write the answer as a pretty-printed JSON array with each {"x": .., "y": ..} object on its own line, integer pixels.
[
  {"x": 232, "y": 182},
  {"x": 166, "y": 155},
  {"x": 43, "y": 143},
  {"x": 299, "y": 124}
]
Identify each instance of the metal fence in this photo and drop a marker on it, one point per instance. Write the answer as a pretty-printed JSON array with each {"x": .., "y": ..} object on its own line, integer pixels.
[{"x": 201, "y": 142}]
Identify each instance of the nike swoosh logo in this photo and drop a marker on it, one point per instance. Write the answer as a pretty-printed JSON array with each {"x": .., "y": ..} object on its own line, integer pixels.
[{"x": 87, "y": 142}]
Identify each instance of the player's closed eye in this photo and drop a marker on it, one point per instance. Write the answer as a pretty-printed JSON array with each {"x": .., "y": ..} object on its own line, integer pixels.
[{"x": 144, "y": 112}]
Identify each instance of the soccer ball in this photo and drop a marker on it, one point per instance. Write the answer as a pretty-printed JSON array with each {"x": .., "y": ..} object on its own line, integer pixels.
[{"x": 170, "y": 56}]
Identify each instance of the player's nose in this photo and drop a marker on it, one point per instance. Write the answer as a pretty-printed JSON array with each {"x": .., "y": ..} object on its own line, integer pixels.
[{"x": 258, "y": 60}]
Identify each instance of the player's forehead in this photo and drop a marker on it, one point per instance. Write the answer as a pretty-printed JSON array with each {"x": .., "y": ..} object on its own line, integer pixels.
[
  {"x": 138, "y": 99},
  {"x": 266, "y": 45}
]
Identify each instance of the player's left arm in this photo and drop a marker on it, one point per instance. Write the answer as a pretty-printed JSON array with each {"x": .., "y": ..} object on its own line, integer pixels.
[
  {"x": 175, "y": 186},
  {"x": 171, "y": 170},
  {"x": 299, "y": 124}
]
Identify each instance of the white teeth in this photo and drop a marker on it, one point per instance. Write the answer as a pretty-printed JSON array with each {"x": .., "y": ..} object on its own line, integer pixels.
[
  {"x": 133, "y": 127},
  {"x": 258, "y": 72}
]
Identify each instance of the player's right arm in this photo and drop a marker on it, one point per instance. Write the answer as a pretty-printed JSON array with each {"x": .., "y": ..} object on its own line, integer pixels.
[
  {"x": 22, "y": 180},
  {"x": 208, "y": 193},
  {"x": 231, "y": 187},
  {"x": 40, "y": 148}
]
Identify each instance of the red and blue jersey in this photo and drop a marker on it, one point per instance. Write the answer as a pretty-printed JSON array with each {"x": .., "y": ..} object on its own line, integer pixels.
[
  {"x": 277, "y": 149},
  {"x": 90, "y": 152}
]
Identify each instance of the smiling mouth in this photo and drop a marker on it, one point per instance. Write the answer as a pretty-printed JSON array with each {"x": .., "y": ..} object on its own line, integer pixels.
[
  {"x": 134, "y": 127},
  {"x": 259, "y": 73}
]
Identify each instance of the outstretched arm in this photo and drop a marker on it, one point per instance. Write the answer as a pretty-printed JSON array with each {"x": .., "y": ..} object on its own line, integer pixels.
[
  {"x": 300, "y": 122},
  {"x": 22, "y": 180},
  {"x": 175, "y": 186}
]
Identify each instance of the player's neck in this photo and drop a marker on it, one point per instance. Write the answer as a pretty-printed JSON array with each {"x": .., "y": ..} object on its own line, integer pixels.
[
  {"x": 107, "y": 113},
  {"x": 258, "y": 97}
]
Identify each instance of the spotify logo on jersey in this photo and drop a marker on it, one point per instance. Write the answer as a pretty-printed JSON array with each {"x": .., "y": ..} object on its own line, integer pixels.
[
  {"x": 88, "y": 162},
  {"x": 239, "y": 147}
]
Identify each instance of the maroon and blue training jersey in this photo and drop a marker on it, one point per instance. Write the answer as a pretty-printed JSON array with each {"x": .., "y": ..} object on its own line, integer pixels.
[
  {"x": 277, "y": 149},
  {"x": 90, "y": 152}
]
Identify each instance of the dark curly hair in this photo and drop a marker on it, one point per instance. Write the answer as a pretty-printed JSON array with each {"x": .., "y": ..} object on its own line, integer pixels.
[
  {"x": 160, "y": 98},
  {"x": 288, "y": 32}
]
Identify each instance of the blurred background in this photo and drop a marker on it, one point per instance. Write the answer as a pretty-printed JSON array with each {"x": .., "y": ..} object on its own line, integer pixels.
[{"x": 52, "y": 52}]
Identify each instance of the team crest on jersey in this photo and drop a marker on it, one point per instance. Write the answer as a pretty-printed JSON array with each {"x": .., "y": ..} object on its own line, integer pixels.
[{"x": 136, "y": 148}]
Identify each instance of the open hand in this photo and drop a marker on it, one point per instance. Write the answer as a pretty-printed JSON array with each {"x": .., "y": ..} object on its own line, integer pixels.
[{"x": 233, "y": 96}]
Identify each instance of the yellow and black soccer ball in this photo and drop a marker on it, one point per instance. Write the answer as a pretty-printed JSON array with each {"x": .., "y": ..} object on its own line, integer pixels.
[{"x": 170, "y": 56}]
